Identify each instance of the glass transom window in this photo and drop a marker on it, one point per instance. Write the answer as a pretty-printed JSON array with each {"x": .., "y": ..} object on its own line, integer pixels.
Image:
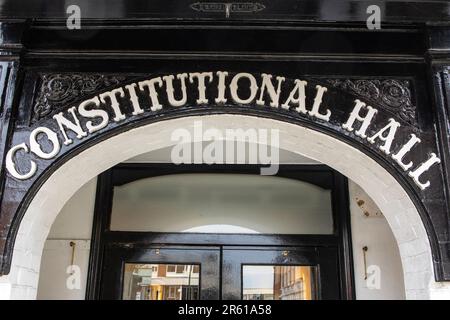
[{"x": 222, "y": 203}]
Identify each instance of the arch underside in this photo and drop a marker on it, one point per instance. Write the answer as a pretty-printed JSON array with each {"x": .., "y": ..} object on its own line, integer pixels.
[
  {"x": 337, "y": 114},
  {"x": 395, "y": 203}
]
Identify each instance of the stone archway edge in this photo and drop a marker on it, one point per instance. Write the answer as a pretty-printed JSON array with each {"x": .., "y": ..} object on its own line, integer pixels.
[
  {"x": 386, "y": 129},
  {"x": 391, "y": 198}
]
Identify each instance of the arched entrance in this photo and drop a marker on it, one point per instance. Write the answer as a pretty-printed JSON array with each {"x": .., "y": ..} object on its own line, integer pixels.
[{"x": 376, "y": 181}]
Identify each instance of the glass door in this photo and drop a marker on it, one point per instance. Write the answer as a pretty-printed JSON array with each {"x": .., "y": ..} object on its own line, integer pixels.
[
  {"x": 169, "y": 232},
  {"x": 169, "y": 273},
  {"x": 198, "y": 273},
  {"x": 280, "y": 273}
]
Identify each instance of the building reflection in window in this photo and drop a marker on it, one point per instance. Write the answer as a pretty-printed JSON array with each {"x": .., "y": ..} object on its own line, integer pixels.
[
  {"x": 161, "y": 282},
  {"x": 278, "y": 282}
]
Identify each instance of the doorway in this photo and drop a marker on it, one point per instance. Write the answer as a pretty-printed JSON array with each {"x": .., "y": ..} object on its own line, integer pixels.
[
  {"x": 294, "y": 246},
  {"x": 226, "y": 272}
]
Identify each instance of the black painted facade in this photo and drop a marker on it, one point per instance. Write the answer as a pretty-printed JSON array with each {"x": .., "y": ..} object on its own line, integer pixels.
[{"x": 401, "y": 70}]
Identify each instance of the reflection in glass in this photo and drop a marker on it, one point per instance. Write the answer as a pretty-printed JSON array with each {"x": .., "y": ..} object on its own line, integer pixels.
[
  {"x": 278, "y": 282},
  {"x": 161, "y": 282}
]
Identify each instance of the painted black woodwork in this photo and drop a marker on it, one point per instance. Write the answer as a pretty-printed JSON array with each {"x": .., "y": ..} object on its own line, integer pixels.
[
  {"x": 295, "y": 38},
  {"x": 225, "y": 253},
  {"x": 394, "y": 11},
  {"x": 207, "y": 257},
  {"x": 323, "y": 259}
]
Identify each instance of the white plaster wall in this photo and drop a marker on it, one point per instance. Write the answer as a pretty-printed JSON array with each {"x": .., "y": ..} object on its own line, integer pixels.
[
  {"x": 74, "y": 223},
  {"x": 374, "y": 232}
]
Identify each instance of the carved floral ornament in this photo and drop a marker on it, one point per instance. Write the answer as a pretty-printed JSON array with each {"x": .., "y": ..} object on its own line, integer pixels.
[
  {"x": 58, "y": 90},
  {"x": 243, "y": 89},
  {"x": 393, "y": 95}
]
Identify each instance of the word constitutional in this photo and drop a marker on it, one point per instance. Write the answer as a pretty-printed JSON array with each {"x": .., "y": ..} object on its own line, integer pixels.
[{"x": 220, "y": 88}]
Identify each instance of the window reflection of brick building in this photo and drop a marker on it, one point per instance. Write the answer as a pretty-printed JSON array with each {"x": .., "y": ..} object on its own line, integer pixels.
[
  {"x": 292, "y": 283},
  {"x": 161, "y": 282}
]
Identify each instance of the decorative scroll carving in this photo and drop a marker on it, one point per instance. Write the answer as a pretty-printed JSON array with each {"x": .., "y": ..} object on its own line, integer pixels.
[
  {"x": 59, "y": 89},
  {"x": 393, "y": 96}
]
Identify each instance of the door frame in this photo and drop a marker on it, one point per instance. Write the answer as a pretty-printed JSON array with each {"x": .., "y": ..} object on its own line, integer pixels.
[
  {"x": 208, "y": 258},
  {"x": 323, "y": 260},
  {"x": 319, "y": 175}
]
